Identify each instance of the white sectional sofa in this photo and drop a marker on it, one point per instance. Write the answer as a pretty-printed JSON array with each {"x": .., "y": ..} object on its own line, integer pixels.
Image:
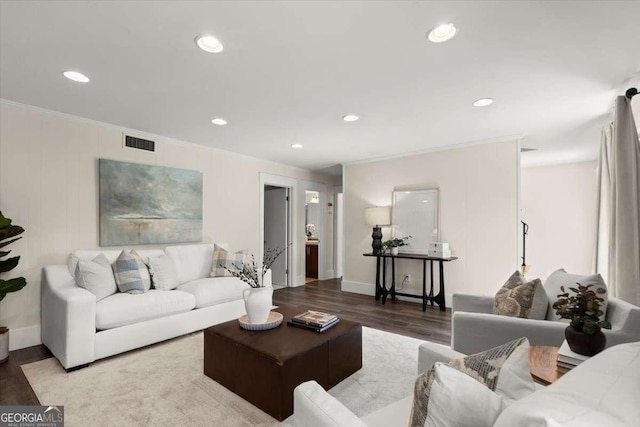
[
  {"x": 78, "y": 330},
  {"x": 603, "y": 391}
]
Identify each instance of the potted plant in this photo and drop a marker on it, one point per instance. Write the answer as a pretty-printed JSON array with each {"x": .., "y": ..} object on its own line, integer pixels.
[
  {"x": 8, "y": 233},
  {"x": 584, "y": 334},
  {"x": 258, "y": 298},
  {"x": 394, "y": 244}
]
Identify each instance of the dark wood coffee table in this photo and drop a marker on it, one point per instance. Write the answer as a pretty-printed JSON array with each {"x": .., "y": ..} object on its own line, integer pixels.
[{"x": 263, "y": 367}]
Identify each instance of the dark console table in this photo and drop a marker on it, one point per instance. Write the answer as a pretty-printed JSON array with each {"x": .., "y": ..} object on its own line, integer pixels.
[{"x": 381, "y": 284}]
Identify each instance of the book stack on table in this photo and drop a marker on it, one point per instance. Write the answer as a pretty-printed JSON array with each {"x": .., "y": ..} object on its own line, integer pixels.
[
  {"x": 316, "y": 321},
  {"x": 567, "y": 359}
]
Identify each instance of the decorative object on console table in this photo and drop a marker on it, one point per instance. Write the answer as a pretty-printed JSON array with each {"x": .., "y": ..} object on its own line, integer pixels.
[
  {"x": 395, "y": 244},
  {"x": 8, "y": 233},
  {"x": 258, "y": 299},
  {"x": 439, "y": 250},
  {"x": 377, "y": 217},
  {"x": 147, "y": 204},
  {"x": 584, "y": 334}
]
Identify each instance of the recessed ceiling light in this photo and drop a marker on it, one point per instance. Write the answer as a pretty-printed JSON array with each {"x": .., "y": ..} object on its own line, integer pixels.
[
  {"x": 483, "y": 102},
  {"x": 350, "y": 118},
  {"x": 296, "y": 145},
  {"x": 442, "y": 33},
  {"x": 218, "y": 121},
  {"x": 209, "y": 44},
  {"x": 76, "y": 76}
]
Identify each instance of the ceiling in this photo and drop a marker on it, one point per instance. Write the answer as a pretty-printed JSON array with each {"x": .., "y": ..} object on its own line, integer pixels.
[{"x": 290, "y": 71}]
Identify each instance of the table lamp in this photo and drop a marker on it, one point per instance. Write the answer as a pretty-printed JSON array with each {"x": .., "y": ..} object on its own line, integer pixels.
[{"x": 376, "y": 217}]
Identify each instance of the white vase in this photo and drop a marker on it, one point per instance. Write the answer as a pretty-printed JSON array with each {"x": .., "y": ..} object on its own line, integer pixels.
[
  {"x": 4, "y": 344},
  {"x": 394, "y": 251},
  {"x": 258, "y": 302}
]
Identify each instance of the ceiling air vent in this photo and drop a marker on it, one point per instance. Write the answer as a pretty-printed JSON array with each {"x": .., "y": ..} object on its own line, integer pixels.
[{"x": 139, "y": 143}]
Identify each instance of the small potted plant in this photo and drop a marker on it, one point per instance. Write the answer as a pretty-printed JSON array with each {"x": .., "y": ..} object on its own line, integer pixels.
[
  {"x": 394, "y": 244},
  {"x": 257, "y": 299},
  {"x": 8, "y": 233},
  {"x": 584, "y": 334}
]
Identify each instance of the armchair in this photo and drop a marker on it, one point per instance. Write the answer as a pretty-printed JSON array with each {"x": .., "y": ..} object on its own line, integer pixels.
[{"x": 474, "y": 328}]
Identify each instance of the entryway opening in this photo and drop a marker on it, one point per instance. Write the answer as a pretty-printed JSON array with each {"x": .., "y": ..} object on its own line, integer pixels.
[
  {"x": 277, "y": 231},
  {"x": 313, "y": 224}
]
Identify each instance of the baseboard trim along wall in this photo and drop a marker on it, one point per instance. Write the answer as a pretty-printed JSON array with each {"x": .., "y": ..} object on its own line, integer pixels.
[{"x": 24, "y": 337}]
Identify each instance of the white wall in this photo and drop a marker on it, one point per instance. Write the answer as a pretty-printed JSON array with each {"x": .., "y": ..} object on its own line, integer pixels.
[
  {"x": 48, "y": 184},
  {"x": 559, "y": 204},
  {"x": 478, "y": 209}
]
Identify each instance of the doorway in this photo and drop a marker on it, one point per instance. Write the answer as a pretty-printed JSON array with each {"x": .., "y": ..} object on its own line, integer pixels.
[
  {"x": 312, "y": 221},
  {"x": 277, "y": 231}
]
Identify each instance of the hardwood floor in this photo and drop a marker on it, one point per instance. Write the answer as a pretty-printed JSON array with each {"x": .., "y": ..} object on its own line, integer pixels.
[
  {"x": 400, "y": 317},
  {"x": 404, "y": 318},
  {"x": 14, "y": 387}
]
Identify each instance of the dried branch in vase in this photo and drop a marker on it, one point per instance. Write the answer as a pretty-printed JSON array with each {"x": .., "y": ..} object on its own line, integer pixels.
[{"x": 248, "y": 272}]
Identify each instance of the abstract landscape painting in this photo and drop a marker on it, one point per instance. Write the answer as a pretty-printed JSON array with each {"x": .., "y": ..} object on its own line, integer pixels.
[{"x": 145, "y": 204}]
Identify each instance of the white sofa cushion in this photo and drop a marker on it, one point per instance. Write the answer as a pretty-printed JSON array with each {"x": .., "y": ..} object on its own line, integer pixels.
[
  {"x": 214, "y": 290},
  {"x": 111, "y": 255},
  {"x": 123, "y": 309},
  {"x": 396, "y": 414},
  {"x": 602, "y": 391},
  {"x": 457, "y": 400},
  {"x": 96, "y": 276},
  {"x": 192, "y": 261}
]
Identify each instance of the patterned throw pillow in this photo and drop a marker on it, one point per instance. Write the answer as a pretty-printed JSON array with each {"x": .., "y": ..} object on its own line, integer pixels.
[
  {"x": 519, "y": 298},
  {"x": 131, "y": 273},
  {"x": 504, "y": 369},
  {"x": 223, "y": 258}
]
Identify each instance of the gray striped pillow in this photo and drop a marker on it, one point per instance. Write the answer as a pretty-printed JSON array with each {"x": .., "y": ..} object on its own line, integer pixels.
[{"x": 131, "y": 273}]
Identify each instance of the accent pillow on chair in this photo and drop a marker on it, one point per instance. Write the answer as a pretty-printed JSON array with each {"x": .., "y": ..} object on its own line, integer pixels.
[
  {"x": 519, "y": 298},
  {"x": 131, "y": 273},
  {"x": 96, "y": 276},
  {"x": 562, "y": 278},
  {"x": 223, "y": 258},
  {"x": 504, "y": 371}
]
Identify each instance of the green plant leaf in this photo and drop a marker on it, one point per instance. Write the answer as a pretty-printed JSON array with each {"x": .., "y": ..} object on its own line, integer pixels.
[
  {"x": 11, "y": 285},
  {"x": 4, "y": 253},
  {"x": 574, "y": 290},
  {"x": 9, "y": 264},
  {"x": 605, "y": 324},
  {"x": 601, "y": 291},
  {"x": 10, "y": 231},
  {"x": 4, "y": 221},
  {"x": 3, "y": 244}
]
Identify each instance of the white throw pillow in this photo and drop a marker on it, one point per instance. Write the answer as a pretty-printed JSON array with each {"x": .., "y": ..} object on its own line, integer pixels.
[
  {"x": 457, "y": 400},
  {"x": 164, "y": 275},
  {"x": 96, "y": 276}
]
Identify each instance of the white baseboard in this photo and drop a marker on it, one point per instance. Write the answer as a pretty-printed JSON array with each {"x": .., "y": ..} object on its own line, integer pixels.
[
  {"x": 24, "y": 337},
  {"x": 298, "y": 281},
  {"x": 359, "y": 287}
]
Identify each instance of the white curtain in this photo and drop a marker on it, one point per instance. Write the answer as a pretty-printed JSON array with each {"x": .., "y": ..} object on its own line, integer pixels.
[{"x": 618, "y": 239}]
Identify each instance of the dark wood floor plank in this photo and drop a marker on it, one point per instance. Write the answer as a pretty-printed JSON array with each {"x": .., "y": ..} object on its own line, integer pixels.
[{"x": 399, "y": 317}]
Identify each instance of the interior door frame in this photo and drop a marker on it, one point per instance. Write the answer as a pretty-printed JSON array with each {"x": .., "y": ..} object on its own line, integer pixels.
[
  {"x": 321, "y": 228},
  {"x": 292, "y": 185}
]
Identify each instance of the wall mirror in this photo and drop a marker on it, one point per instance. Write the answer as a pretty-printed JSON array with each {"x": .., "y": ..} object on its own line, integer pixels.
[{"x": 416, "y": 213}]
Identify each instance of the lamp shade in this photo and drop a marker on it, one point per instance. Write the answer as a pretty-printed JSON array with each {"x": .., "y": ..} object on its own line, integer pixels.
[{"x": 377, "y": 216}]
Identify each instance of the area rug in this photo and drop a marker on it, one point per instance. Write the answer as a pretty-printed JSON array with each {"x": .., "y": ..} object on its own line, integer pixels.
[{"x": 164, "y": 385}]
